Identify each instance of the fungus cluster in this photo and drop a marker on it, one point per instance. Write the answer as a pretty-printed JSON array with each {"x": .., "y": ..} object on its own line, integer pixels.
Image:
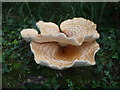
[{"x": 71, "y": 45}]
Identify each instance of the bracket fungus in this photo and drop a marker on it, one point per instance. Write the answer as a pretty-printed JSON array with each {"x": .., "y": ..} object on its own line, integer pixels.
[{"x": 70, "y": 46}]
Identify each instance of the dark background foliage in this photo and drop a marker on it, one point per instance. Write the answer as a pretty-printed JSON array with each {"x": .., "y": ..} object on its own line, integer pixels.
[{"x": 20, "y": 70}]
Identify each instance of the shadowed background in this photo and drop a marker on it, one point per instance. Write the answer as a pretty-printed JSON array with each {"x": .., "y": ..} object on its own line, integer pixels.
[{"x": 20, "y": 70}]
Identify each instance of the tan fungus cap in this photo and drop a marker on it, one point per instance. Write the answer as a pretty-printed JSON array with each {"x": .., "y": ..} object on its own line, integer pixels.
[{"x": 54, "y": 56}]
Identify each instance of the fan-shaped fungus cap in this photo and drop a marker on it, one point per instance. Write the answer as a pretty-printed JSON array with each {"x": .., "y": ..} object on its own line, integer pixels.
[
  {"x": 54, "y": 56},
  {"x": 28, "y": 34},
  {"x": 47, "y": 28},
  {"x": 80, "y": 28}
]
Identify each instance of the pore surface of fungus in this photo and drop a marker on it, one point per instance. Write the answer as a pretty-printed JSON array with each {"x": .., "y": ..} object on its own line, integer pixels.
[{"x": 72, "y": 45}]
